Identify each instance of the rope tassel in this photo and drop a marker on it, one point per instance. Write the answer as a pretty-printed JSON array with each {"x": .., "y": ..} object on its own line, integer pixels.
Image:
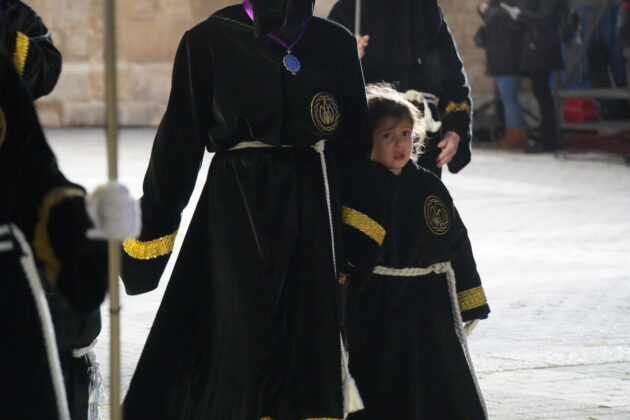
[{"x": 352, "y": 401}]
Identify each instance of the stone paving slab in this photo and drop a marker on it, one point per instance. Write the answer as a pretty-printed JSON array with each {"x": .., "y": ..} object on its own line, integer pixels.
[{"x": 552, "y": 242}]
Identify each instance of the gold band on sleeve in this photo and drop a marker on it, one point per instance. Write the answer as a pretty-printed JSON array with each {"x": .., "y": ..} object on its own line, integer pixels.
[
  {"x": 21, "y": 52},
  {"x": 148, "y": 250},
  {"x": 42, "y": 247},
  {"x": 453, "y": 107},
  {"x": 364, "y": 223},
  {"x": 471, "y": 299}
]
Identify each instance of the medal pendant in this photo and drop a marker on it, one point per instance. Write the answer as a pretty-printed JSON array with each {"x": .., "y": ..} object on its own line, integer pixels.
[{"x": 291, "y": 63}]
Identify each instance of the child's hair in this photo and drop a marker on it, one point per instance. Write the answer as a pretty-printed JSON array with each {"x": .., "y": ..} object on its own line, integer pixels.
[{"x": 385, "y": 101}]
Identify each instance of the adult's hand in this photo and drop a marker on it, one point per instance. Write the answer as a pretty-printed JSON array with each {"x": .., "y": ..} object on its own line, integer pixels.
[
  {"x": 449, "y": 145},
  {"x": 362, "y": 43},
  {"x": 513, "y": 11}
]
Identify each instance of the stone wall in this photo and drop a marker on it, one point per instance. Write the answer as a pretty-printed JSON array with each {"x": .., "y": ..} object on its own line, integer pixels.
[{"x": 148, "y": 34}]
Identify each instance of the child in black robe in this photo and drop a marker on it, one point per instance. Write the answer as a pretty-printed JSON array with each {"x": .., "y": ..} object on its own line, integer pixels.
[{"x": 404, "y": 318}]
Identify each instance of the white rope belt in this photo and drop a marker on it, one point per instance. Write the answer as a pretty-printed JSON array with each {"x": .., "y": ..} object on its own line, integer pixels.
[
  {"x": 438, "y": 268},
  {"x": 351, "y": 397},
  {"x": 6, "y": 244}
]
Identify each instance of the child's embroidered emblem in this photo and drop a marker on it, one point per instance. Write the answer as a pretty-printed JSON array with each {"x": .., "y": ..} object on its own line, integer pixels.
[
  {"x": 325, "y": 112},
  {"x": 436, "y": 215},
  {"x": 3, "y": 127}
]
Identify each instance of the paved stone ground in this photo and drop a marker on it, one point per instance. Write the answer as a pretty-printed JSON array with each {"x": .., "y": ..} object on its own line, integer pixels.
[{"x": 552, "y": 241}]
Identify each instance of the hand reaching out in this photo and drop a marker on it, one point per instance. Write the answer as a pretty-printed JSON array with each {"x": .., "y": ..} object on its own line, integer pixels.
[
  {"x": 449, "y": 145},
  {"x": 362, "y": 43},
  {"x": 513, "y": 11}
]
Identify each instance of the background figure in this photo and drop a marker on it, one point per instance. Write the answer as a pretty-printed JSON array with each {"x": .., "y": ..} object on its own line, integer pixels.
[
  {"x": 502, "y": 39},
  {"x": 410, "y": 45},
  {"x": 543, "y": 22},
  {"x": 43, "y": 228},
  {"x": 25, "y": 37}
]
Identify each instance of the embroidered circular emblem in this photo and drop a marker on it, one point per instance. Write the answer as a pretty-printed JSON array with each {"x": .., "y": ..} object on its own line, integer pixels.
[
  {"x": 325, "y": 112},
  {"x": 3, "y": 127},
  {"x": 436, "y": 215}
]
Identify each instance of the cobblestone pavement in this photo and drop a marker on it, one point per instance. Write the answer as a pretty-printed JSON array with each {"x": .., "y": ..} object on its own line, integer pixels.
[{"x": 552, "y": 241}]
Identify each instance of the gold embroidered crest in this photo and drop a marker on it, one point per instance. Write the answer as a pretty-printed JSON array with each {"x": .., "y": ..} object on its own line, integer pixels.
[
  {"x": 325, "y": 112},
  {"x": 3, "y": 127},
  {"x": 436, "y": 215}
]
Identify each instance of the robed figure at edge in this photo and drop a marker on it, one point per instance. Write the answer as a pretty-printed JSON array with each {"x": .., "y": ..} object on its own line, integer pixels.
[{"x": 248, "y": 327}]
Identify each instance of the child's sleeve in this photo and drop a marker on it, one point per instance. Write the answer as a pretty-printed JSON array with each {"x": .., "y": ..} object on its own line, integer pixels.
[
  {"x": 470, "y": 294},
  {"x": 363, "y": 230}
]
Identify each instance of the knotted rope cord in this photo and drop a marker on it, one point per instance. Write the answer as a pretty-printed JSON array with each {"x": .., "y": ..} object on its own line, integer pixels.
[{"x": 48, "y": 331}]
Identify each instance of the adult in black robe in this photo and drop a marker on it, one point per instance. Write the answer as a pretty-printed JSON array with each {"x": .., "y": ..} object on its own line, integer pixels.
[
  {"x": 410, "y": 44},
  {"x": 404, "y": 317},
  {"x": 42, "y": 210},
  {"x": 26, "y": 38},
  {"x": 248, "y": 327}
]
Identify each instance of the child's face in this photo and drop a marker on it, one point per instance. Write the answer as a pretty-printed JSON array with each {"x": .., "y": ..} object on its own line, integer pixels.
[{"x": 392, "y": 142}]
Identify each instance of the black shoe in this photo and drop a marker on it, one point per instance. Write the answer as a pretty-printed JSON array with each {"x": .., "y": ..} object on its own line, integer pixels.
[{"x": 542, "y": 148}]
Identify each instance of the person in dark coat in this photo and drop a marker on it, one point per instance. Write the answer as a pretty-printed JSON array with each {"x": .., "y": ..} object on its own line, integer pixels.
[
  {"x": 502, "y": 40},
  {"x": 26, "y": 38},
  {"x": 248, "y": 327},
  {"x": 44, "y": 220},
  {"x": 411, "y": 45},
  {"x": 413, "y": 284},
  {"x": 541, "y": 54}
]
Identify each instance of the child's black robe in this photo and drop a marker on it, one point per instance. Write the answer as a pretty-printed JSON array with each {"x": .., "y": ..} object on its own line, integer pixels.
[{"x": 406, "y": 343}]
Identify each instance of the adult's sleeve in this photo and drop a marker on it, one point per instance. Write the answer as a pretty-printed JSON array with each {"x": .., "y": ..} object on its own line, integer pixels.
[
  {"x": 49, "y": 209},
  {"x": 444, "y": 70},
  {"x": 173, "y": 168},
  {"x": 34, "y": 55}
]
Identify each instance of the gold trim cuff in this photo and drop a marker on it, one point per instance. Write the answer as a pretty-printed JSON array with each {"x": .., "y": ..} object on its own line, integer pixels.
[
  {"x": 363, "y": 223},
  {"x": 150, "y": 249},
  {"x": 471, "y": 299},
  {"x": 21, "y": 52},
  {"x": 41, "y": 241},
  {"x": 453, "y": 107}
]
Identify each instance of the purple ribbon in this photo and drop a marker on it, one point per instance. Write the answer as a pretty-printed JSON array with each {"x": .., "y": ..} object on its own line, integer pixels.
[{"x": 250, "y": 12}]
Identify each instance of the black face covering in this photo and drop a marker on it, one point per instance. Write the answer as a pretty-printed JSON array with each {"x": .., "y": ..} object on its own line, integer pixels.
[{"x": 281, "y": 17}]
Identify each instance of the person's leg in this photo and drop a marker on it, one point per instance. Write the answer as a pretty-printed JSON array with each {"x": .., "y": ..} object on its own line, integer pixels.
[
  {"x": 515, "y": 133},
  {"x": 548, "y": 124},
  {"x": 508, "y": 86}
]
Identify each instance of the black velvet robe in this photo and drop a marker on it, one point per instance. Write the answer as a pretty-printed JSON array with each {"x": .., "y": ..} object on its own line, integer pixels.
[
  {"x": 248, "y": 327},
  {"x": 411, "y": 45},
  {"x": 406, "y": 356},
  {"x": 50, "y": 211}
]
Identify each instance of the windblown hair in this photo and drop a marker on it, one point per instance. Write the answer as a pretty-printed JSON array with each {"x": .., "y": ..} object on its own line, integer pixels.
[{"x": 385, "y": 101}]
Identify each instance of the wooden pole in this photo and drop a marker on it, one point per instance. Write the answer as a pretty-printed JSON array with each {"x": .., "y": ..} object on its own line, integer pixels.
[
  {"x": 111, "y": 111},
  {"x": 357, "y": 17}
]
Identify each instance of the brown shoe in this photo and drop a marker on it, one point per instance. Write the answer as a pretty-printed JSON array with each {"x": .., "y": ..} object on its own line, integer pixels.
[{"x": 514, "y": 138}]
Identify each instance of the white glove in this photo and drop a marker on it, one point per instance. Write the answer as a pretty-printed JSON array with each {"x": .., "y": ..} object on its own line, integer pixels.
[
  {"x": 513, "y": 11},
  {"x": 115, "y": 214},
  {"x": 470, "y": 326}
]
